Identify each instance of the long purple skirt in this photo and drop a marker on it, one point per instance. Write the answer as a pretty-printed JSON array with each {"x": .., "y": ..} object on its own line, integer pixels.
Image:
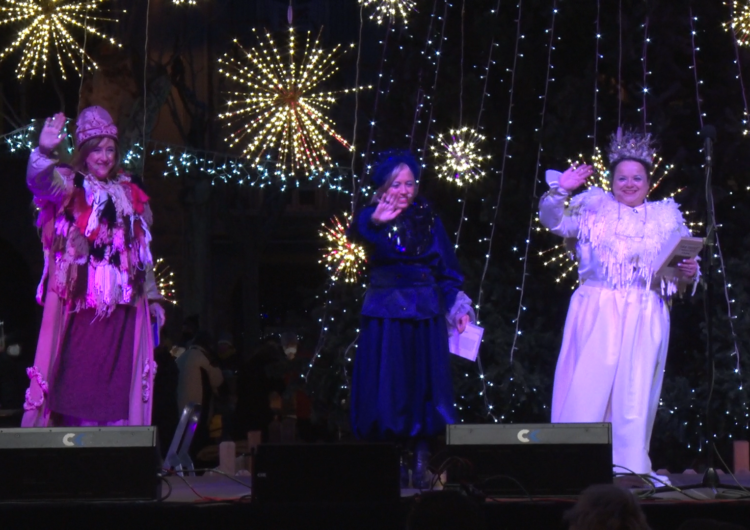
[
  {"x": 402, "y": 385},
  {"x": 92, "y": 375}
]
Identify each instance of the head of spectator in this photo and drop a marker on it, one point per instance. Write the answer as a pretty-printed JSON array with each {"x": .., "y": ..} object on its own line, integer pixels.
[
  {"x": 445, "y": 510},
  {"x": 606, "y": 507}
]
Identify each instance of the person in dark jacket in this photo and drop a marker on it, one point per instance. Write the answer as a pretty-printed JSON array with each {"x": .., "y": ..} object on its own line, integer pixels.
[
  {"x": 401, "y": 386},
  {"x": 259, "y": 378}
]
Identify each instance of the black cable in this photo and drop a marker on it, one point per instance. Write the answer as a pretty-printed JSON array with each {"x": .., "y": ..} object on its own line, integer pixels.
[{"x": 169, "y": 486}]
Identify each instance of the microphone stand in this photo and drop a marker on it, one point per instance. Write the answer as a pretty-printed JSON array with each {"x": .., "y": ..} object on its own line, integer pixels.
[{"x": 710, "y": 477}]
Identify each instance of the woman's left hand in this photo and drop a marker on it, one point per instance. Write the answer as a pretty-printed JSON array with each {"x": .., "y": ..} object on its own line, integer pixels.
[
  {"x": 462, "y": 322},
  {"x": 688, "y": 268},
  {"x": 158, "y": 313}
]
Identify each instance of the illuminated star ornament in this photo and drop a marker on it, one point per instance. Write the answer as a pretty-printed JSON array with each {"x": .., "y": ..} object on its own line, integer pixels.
[
  {"x": 46, "y": 33},
  {"x": 740, "y": 22},
  {"x": 165, "y": 281},
  {"x": 389, "y": 9},
  {"x": 459, "y": 157},
  {"x": 279, "y": 113},
  {"x": 343, "y": 259}
]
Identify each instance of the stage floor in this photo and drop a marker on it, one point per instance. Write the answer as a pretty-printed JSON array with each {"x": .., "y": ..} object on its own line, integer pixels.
[
  {"x": 214, "y": 486},
  {"x": 218, "y": 501}
]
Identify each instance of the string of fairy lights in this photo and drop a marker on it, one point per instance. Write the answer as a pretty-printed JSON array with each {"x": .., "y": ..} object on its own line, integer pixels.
[
  {"x": 646, "y": 73},
  {"x": 597, "y": 58},
  {"x": 421, "y": 94},
  {"x": 378, "y": 91},
  {"x": 436, "y": 60},
  {"x": 485, "y": 93},
  {"x": 507, "y": 138},
  {"x": 532, "y": 213},
  {"x": 493, "y": 224}
]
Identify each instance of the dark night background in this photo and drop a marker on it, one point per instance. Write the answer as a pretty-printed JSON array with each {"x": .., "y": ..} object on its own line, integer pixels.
[{"x": 240, "y": 251}]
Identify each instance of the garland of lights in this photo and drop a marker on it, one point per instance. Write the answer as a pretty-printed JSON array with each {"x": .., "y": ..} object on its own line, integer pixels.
[
  {"x": 279, "y": 108},
  {"x": 227, "y": 168},
  {"x": 180, "y": 161},
  {"x": 46, "y": 33}
]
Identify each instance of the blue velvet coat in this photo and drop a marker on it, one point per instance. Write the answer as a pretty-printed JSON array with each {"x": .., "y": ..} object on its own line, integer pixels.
[
  {"x": 402, "y": 385},
  {"x": 412, "y": 275}
]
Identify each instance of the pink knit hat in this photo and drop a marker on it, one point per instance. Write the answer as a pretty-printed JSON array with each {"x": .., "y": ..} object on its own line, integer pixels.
[{"x": 94, "y": 121}]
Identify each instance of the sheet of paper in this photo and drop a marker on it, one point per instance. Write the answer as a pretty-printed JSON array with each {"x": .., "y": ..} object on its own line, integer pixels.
[
  {"x": 676, "y": 249},
  {"x": 466, "y": 344}
]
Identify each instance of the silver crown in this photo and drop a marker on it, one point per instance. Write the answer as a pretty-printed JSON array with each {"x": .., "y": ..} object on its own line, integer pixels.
[{"x": 631, "y": 144}]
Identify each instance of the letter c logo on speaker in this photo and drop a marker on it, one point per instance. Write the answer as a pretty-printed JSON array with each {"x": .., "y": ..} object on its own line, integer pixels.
[
  {"x": 71, "y": 440},
  {"x": 526, "y": 436}
]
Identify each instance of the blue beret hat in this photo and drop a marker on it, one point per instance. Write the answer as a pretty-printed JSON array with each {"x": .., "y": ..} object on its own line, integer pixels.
[{"x": 389, "y": 161}]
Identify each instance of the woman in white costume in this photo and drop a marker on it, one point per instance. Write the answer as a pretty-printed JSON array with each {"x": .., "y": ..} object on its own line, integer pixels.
[{"x": 614, "y": 347}]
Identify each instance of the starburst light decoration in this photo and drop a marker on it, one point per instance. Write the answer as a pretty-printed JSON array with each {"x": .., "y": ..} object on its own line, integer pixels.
[
  {"x": 280, "y": 110},
  {"x": 343, "y": 259},
  {"x": 389, "y": 9},
  {"x": 740, "y": 23},
  {"x": 164, "y": 278},
  {"x": 46, "y": 33},
  {"x": 459, "y": 158}
]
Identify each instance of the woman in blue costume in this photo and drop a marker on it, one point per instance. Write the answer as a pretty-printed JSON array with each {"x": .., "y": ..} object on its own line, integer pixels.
[{"x": 402, "y": 387}]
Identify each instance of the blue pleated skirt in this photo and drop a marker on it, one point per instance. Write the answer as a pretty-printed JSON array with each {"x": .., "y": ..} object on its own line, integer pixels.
[{"x": 402, "y": 385}]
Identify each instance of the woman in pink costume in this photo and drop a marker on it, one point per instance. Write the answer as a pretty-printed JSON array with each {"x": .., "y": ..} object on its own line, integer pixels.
[{"x": 94, "y": 361}]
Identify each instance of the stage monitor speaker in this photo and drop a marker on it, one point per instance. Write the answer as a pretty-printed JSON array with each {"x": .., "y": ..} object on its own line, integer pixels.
[
  {"x": 65, "y": 463},
  {"x": 326, "y": 473},
  {"x": 548, "y": 459}
]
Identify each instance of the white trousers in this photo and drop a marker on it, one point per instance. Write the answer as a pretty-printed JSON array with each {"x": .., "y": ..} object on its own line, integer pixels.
[{"x": 611, "y": 367}]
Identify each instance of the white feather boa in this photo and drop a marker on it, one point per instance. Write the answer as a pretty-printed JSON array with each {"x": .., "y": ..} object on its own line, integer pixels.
[{"x": 627, "y": 242}]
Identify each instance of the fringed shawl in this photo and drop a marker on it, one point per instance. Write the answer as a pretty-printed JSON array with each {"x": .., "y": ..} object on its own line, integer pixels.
[
  {"x": 100, "y": 244},
  {"x": 627, "y": 242}
]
